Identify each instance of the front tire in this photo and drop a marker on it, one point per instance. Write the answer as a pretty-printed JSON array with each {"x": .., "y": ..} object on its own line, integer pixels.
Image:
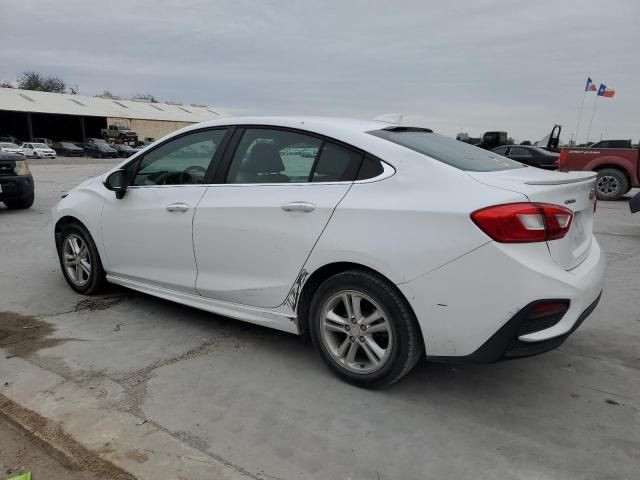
[
  {"x": 364, "y": 329},
  {"x": 611, "y": 184},
  {"x": 80, "y": 261}
]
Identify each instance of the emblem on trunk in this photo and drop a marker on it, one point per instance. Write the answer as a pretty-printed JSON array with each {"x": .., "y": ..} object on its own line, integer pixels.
[{"x": 571, "y": 200}]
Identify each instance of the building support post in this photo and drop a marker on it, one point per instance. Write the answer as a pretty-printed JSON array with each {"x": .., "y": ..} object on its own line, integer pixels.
[
  {"x": 83, "y": 135},
  {"x": 29, "y": 126}
]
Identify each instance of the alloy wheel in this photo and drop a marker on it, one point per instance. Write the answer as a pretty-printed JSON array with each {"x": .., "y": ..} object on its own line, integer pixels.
[
  {"x": 607, "y": 185},
  {"x": 77, "y": 260},
  {"x": 356, "y": 332}
]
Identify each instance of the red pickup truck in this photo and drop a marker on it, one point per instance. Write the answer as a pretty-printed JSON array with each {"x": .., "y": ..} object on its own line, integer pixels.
[{"x": 618, "y": 169}]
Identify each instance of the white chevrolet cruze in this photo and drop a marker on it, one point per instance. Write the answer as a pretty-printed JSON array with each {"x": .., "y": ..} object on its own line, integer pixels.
[{"x": 386, "y": 243}]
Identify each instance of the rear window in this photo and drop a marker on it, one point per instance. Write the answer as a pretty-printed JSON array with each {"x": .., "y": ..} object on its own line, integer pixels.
[{"x": 447, "y": 150}]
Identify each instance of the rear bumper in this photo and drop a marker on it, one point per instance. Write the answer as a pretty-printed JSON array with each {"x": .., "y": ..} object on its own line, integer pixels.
[
  {"x": 472, "y": 308},
  {"x": 506, "y": 344},
  {"x": 16, "y": 188}
]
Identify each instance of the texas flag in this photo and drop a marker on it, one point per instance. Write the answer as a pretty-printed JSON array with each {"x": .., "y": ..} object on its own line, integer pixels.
[
  {"x": 603, "y": 91},
  {"x": 590, "y": 87}
]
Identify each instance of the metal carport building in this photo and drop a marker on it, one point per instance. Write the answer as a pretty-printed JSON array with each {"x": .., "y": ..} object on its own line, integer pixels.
[{"x": 26, "y": 114}]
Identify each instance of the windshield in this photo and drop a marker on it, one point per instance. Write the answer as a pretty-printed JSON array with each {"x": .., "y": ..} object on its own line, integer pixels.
[
  {"x": 39, "y": 145},
  {"x": 8, "y": 145},
  {"x": 447, "y": 150},
  {"x": 68, "y": 145}
]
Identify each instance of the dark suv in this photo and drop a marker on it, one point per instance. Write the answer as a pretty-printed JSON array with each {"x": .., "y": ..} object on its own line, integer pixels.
[{"x": 16, "y": 182}]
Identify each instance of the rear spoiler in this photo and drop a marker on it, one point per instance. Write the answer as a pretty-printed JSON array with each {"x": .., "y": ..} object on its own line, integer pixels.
[{"x": 583, "y": 177}]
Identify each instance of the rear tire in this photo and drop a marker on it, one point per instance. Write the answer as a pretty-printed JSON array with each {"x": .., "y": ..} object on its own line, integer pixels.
[
  {"x": 611, "y": 184},
  {"x": 344, "y": 335},
  {"x": 80, "y": 261},
  {"x": 20, "y": 204}
]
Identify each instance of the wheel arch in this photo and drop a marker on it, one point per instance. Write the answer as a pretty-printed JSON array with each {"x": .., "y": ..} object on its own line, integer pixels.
[
  {"x": 63, "y": 222},
  {"x": 315, "y": 279}
]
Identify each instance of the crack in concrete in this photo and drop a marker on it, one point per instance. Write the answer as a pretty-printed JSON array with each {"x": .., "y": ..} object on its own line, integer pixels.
[{"x": 92, "y": 304}]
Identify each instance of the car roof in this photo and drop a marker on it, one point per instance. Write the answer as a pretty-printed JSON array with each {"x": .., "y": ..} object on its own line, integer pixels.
[
  {"x": 349, "y": 130},
  {"x": 322, "y": 125}
]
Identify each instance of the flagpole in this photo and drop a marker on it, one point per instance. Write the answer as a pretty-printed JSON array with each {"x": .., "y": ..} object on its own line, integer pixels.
[
  {"x": 580, "y": 114},
  {"x": 595, "y": 104}
]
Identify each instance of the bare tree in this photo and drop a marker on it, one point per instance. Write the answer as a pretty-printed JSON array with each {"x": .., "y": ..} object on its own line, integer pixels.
[{"x": 147, "y": 97}]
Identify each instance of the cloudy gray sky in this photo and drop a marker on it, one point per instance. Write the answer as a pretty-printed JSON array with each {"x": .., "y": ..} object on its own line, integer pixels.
[{"x": 467, "y": 66}]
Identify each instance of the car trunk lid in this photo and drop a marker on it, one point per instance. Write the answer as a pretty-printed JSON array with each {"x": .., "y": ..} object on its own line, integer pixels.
[{"x": 573, "y": 190}]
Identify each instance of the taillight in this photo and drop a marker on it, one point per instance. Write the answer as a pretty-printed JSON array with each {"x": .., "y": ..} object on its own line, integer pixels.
[
  {"x": 524, "y": 222},
  {"x": 561, "y": 159}
]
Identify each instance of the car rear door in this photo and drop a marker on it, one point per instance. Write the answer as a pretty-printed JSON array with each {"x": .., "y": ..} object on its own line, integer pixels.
[
  {"x": 148, "y": 233},
  {"x": 255, "y": 229}
]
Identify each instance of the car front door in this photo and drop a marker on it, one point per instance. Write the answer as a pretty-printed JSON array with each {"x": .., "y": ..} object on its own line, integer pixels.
[
  {"x": 27, "y": 148},
  {"x": 148, "y": 233},
  {"x": 255, "y": 229}
]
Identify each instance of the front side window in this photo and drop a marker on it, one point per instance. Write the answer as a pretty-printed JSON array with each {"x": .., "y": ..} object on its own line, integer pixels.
[
  {"x": 447, "y": 150},
  {"x": 273, "y": 156},
  {"x": 183, "y": 161}
]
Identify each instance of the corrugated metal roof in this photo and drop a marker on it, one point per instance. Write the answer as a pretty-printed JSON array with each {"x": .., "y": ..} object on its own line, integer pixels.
[{"x": 60, "y": 103}]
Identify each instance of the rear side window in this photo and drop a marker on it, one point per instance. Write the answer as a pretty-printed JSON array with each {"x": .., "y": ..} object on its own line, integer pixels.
[
  {"x": 371, "y": 168},
  {"x": 447, "y": 150},
  {"x": 336, "y": 164},
  {"x": 519, "y": 152}
]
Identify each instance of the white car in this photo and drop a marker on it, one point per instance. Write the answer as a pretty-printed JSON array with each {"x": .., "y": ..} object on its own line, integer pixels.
[
  {"x": 38, "y": 150},
  {"x": 11, "y": 148},
  {"x": 386, "y": 243}
]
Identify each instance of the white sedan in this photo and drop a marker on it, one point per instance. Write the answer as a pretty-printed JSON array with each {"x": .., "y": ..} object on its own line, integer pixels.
[
  {"x": 7, "y": 147},
  {"x": 386, "y": 243},
  {"x": 38, "y": 150}
]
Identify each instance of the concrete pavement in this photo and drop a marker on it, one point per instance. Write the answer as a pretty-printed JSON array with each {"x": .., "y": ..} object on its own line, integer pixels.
[{"x": 165, "y": 391}]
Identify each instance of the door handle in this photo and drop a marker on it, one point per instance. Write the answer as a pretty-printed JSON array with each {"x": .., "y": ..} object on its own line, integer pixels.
[
  {"x": 298, "y": 207},
  {"x": 178, "y": 207}
]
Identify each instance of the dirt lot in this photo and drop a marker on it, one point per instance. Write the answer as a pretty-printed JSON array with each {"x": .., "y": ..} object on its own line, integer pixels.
[
  {"x": 20, "y": 453},
  {"x": 166, "y": 391}
]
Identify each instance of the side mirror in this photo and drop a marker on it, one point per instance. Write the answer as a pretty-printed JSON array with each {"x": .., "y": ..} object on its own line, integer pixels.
[{"x": 116, "y": 182}]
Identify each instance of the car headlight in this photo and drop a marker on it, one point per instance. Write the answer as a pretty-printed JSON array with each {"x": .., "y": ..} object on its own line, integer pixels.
[{"x": 22, "y": 167}]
